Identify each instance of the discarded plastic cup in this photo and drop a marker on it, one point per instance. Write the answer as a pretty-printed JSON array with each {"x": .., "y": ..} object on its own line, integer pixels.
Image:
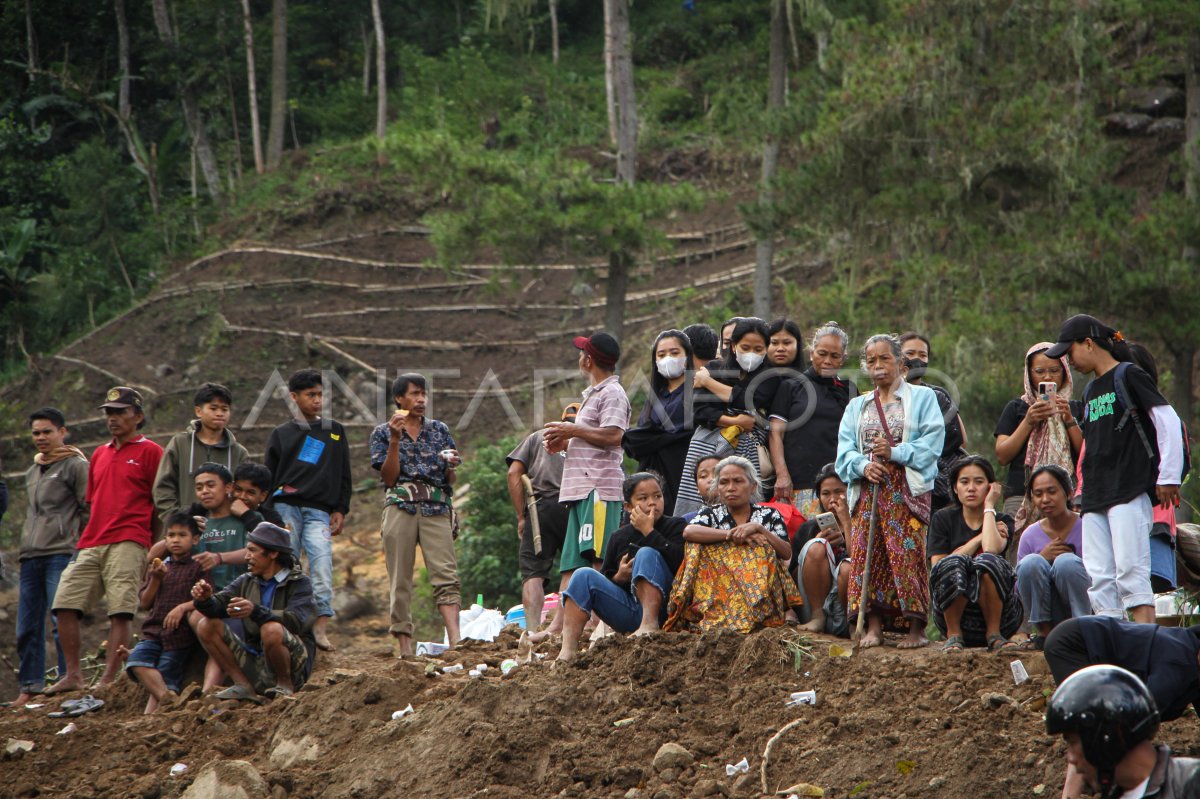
[
  {"x": 1019, "y": 673},
  {"x": 399, "y": 714},
  {"x": 508, "y": 666},
  {"x": 802, "y": 698},
  {"x": 178, "y": 769}
]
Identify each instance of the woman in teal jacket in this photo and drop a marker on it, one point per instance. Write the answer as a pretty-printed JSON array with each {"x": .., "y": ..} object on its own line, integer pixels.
[{"x": 901, "y": 459}]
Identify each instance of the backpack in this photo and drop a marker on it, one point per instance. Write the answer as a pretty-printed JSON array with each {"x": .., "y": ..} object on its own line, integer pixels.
[{"x": 1133, "y": 414}]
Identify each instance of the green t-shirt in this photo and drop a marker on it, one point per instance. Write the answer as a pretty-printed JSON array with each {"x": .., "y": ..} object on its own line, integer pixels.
[{"x": 226, "y": 534}]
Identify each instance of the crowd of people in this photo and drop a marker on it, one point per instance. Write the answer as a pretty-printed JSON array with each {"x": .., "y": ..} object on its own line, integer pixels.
[{"x": 770, "y": 489}]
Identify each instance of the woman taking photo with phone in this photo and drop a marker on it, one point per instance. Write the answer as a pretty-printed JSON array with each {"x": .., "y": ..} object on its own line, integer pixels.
[{"x": 1038, "y": 428}]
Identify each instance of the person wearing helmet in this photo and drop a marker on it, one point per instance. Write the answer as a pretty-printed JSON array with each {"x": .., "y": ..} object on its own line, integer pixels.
[
  {"x": 1164, "y": 658},
  {"x": 1108, "y": 718}
]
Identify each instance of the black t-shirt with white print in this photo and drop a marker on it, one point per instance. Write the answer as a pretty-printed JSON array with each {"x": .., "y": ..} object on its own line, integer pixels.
[{"x": 1116, "y": 466}]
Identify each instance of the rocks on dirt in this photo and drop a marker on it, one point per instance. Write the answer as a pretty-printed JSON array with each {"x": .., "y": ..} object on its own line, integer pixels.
[
  {"x": 228, "y": 779},
  {"x": 288, "y": 752},
  {"x": 672, "y": 756}
]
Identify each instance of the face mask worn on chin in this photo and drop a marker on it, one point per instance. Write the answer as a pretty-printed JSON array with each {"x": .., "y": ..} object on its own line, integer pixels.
[
  {"x": 916, "y": 367},
  {"x": 671, "y": 368},
  {"x": 749, "y": 360}
]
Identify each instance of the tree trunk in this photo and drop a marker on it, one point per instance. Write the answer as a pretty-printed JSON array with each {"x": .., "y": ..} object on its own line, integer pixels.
[
  {"x": 619, "y": 262},
  {"x": 614, "y": 296},
  {"x": 764, "y": 250},
  {"x": 252, "y": 87},
  {"x": 31, "y": 38},
  {"x": 191, "y": 107},
  {"x": 122, "y": 57},
  {"x": 554, "y": 30},
  {"x": 381, "y": 81},
  {"x": 623, "y": 89},
  {"x": 279, "y": 99},
  {"x": 609, "y": 92},
  {"x": 367, "y": 41},
  {"x": 1185, "y": 360}
]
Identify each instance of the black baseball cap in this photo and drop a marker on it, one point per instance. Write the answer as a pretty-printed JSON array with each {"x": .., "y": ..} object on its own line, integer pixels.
[
  {"x": 601, "y": 347},
  {"x": 122, "y": 397},
  {"x": 1077, "y": 328}
]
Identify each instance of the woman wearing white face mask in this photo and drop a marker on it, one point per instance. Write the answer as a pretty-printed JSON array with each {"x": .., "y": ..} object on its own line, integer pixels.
[
  {"x": 725, "y": 403},
  {"x": 660, "y": 440}
]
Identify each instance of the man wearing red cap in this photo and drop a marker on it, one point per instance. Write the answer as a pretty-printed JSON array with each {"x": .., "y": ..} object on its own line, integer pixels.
[
  {"x": 592, "y": 474},
  {"x": 112, "y": 548}
]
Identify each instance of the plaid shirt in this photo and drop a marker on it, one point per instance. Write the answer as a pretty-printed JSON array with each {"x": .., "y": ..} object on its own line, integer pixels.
[{"x": 175, "y": 589}]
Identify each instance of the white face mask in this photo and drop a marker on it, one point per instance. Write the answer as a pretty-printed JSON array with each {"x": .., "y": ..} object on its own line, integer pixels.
[
  {"x": 671, "y": 368},
  {"x": 749, "y": 360}
]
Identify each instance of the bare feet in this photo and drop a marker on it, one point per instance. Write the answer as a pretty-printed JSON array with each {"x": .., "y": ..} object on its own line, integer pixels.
[
  {"x": 320, "y": 636},
  {"x": 647, "y": 629},
  {"x": 66, "y": 684},
  {"x": 22, "y": 699},
  {"x": 816, "y": 624},
  {"x": 870, "y": 640},
  {"x": 914, "y": 640},
  {"x": 402, "y": 646}
]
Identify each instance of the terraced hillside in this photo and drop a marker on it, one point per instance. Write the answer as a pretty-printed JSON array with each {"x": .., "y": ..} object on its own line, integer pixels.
[{"x": 366, "y": 305}]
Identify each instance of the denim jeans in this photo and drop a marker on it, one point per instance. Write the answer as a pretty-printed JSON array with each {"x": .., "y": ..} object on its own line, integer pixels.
[
  {"x": 1053, "y": 592},
  {"x": 310, "y": 535},
  {"x": 618, "y": 607},
  {"x": 39, "y": 582}
]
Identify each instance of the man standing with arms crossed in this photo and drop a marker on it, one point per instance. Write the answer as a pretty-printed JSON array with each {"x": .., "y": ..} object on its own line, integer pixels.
[
  {"x": 592, "y": 474},
  {"x": 112, "y": 548}
]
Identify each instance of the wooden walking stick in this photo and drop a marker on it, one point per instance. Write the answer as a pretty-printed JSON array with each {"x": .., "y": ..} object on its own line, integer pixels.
[
  {"x": 531, "y": 517},
  {"x": 862, "y": 601}
]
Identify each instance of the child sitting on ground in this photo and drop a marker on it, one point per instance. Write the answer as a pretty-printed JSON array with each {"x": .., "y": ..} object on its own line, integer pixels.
[{"x": 159, "y": 659}]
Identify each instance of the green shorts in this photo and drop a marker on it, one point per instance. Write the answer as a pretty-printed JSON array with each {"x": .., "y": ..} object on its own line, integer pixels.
[
  {"x": 258, "y": 670},
  {"x": 589, "y": 524}
]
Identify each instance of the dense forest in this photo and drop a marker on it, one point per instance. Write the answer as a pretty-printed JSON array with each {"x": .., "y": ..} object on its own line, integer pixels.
[{"x": 977, "y": 169}]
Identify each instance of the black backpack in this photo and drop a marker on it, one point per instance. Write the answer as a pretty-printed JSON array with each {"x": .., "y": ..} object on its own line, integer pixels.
[{"x": 1133, "y": 414}]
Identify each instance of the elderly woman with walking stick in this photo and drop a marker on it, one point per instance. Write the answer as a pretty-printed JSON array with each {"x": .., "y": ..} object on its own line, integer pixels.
[{"x": 889, "y": 441}]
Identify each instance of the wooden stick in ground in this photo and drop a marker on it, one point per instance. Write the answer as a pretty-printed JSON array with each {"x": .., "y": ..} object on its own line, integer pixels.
[{"x": 866, "y": 586}]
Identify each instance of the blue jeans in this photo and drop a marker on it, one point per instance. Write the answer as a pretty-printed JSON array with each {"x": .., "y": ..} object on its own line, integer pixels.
[
  {"x": 170, "y": 663},
  {"x": 310, "y": 535},
  {"x": 1053, "y": 592},
  {"x": 619, "y": 607},
  {"x": 39, "y": 582}
]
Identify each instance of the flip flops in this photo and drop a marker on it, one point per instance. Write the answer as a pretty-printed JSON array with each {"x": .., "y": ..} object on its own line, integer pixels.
[
  {"x": 278, "y": 693},
  {"x": 77, "y": 707},
  {"x": 240, "y": 693}
]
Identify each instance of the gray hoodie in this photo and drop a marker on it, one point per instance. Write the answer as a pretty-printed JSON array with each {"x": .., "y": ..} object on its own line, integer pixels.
[
  {"x": 58, "y": 508},
  {"x": 174, "y": 488}
]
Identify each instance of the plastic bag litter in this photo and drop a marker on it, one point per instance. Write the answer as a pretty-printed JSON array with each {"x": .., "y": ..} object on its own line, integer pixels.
[
  {"x": 740, "y": 767},
  {"x": 399, "y": 714},
  {"x": 480, "y": 623}
]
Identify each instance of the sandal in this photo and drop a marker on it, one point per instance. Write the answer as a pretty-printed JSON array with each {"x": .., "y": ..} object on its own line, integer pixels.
[
  {"x": 241, "y": 693},
  {"x": 954, "y": 643},
  {"x": 998, "y": 643},
  {"x": 280, "y": 693},
  {"x": 1034, "y": 643}
]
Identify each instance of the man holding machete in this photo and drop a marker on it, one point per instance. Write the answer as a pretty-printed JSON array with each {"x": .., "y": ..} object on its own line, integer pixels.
[{"x": 534, "y": 476}]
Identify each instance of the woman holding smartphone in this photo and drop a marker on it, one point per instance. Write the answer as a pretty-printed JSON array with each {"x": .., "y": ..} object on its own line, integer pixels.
[
  {"x": 821, "y": 560},
  {"x": 1038, "y": 428}
]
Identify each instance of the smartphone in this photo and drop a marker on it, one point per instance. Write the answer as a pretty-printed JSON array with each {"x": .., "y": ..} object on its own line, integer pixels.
[
  {"x": 1047, "y": 390},
  {"x": 826, "y": 521}
]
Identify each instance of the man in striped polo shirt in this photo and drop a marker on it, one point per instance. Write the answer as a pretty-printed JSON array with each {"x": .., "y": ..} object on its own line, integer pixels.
[{"x": 592, "y": 474}]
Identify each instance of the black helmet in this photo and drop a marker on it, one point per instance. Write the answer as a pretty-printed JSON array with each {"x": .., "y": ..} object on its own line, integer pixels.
[{"x": 1111, "y": 711}]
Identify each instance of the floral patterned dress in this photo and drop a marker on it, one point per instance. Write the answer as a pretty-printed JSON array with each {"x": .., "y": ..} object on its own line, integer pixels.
[
  {"x": 730, "y": 585},
  {"x": 898, "y": 585}
]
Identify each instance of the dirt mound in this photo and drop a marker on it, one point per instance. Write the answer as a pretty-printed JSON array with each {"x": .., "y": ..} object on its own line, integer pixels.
[{"x": 886, "y": 724}]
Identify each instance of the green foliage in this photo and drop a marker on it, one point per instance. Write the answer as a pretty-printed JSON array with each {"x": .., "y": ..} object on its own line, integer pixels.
[{"x": 487, "y": 544}]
